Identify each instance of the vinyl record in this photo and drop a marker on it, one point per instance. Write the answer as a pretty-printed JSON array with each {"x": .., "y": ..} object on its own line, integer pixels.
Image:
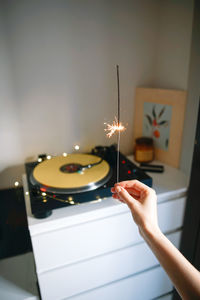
[{"x": 74, "y": 173}]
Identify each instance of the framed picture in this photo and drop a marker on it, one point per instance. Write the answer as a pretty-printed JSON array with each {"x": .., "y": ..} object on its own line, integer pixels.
[{"x": 160, "y": 114}]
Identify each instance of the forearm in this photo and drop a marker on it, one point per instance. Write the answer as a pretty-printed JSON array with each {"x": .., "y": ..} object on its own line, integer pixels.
[{"x": 184, "y": 276}]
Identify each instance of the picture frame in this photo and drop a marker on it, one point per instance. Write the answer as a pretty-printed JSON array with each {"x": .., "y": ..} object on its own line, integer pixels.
[{"x": 160, "y": 113}]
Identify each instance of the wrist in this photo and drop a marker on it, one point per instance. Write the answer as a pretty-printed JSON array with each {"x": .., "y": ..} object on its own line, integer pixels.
[{"x": 150, "y": 231}]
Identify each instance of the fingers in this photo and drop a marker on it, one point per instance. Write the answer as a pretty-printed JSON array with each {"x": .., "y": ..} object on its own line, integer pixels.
[
  {"x": 133, "y": 188},
  {"x": 133, "y": 185},
  {"x": 116, "y": 196},
  {"x": 124, "y": 196},
  {"x": 135, "y": 195}
]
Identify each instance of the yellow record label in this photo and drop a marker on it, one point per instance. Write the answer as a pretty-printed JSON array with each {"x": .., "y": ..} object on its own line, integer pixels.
[{"x": 49, "y": 172}]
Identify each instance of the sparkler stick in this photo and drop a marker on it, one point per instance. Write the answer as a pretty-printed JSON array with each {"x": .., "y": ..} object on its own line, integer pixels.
[{"x": 116, "y": 125}]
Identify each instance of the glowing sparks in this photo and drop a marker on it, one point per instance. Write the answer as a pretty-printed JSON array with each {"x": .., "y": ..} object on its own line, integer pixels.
[{"x": 115, "y": 126}]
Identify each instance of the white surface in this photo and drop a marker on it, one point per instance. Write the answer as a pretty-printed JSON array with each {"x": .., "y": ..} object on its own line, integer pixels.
[
  {"x": 168, "y": 185},
  {"x": 18, "y": 278},
  {"x": 10, "y": 291}
]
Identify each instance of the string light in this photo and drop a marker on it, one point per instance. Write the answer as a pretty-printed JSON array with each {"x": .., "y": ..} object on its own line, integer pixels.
[
  {"x": 44, "y": 194},
  {"x": 39, "y": 159},
  {"x": 16, "y": 183},
  {"x": 64, "y": 154},
  {"x": 48, "y": 156},
  {"x": 76, "y": 147}
]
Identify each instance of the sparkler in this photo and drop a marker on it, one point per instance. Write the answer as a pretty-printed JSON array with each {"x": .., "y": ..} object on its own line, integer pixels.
[{"x": 116, "y": 125}]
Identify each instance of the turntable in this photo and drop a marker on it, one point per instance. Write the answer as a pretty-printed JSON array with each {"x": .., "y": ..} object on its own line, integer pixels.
[{"x": 77, "y": 178}]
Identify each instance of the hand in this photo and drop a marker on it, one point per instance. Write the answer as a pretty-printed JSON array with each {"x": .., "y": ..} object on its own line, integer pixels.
[{"x": 142, "y": 202}]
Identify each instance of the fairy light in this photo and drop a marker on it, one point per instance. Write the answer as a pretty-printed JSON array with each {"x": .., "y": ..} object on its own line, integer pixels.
[
  {"x": 48, "y": 156},
  {"x": 76, "y": 147},
  {"x": 39, "y": 159},
  {"x": 70, "y": 200},
  {"x": 16, "y": 183},
  {"x": 64, "y": 154},
  {"x": 44, "y": 194}
]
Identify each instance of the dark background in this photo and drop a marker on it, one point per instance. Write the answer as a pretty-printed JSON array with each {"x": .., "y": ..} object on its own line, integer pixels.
[{"x": 14, "y": 234}]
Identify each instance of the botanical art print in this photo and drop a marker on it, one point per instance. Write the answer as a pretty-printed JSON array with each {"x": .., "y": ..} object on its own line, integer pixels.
[{"x": 156, "y": 123}]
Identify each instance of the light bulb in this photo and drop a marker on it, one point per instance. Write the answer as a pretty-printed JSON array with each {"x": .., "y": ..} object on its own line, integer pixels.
[
  {"x": 76, "y": 147},
  {"x": 39, "y": 159},
  {"x": 16, "y": 183},
  {"x": 48, "y": 156},
  {"x": 64, "y": 154}
]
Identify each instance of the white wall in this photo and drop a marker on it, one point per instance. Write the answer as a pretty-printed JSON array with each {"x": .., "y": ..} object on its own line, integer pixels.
[
  {"x": 177, "y": 64},
  {"x": 60, "y": 58},
  {"x": 174, "y": 43},
  {"x": 193, "y": 94},
  {"x": 63, "y": 56},
  {"x": 10, "y": 143}
]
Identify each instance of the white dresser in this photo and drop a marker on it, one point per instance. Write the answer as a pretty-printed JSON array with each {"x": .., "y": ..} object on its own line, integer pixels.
[{"x": 93, "y": 251}]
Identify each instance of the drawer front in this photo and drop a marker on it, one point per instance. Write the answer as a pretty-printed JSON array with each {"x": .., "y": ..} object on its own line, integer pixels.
[
  {"x": 144, "y": 286},
  {"x": 87, "y": 275},
  {"x": 73, "y": 244}
]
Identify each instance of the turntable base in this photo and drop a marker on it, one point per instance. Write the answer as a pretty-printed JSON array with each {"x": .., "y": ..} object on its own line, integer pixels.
[{"x": 77, "y": 179}]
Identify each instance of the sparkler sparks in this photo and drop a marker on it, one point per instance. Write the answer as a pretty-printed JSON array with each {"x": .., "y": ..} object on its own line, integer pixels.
[{"x": 112, "y": 128}]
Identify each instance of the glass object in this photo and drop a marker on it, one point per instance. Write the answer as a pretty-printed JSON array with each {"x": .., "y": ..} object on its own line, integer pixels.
[{"x": 144, "y": 149}]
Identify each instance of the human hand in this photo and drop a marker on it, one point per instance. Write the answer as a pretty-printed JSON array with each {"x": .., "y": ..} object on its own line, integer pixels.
[{"x": 142, "y": 202}]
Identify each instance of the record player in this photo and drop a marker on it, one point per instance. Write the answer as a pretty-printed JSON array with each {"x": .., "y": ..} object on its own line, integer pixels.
[{"x": 77, "y": 178}]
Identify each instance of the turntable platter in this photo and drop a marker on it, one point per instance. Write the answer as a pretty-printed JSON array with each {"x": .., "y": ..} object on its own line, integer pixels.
[{"x": 66, "y": 173}]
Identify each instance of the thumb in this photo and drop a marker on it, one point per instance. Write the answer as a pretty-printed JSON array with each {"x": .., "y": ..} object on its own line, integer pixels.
[{"x": 125, "y": 196}]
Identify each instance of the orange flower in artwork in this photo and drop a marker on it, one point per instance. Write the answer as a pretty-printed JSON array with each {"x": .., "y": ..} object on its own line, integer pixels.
[{"x": 156, "y": 133}]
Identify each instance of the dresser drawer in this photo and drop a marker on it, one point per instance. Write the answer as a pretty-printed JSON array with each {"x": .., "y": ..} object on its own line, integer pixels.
[
  {"x": 90, "y": 274},
  {"x": 77, "y": 243},
  {"x": 145, "y": 286}
]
